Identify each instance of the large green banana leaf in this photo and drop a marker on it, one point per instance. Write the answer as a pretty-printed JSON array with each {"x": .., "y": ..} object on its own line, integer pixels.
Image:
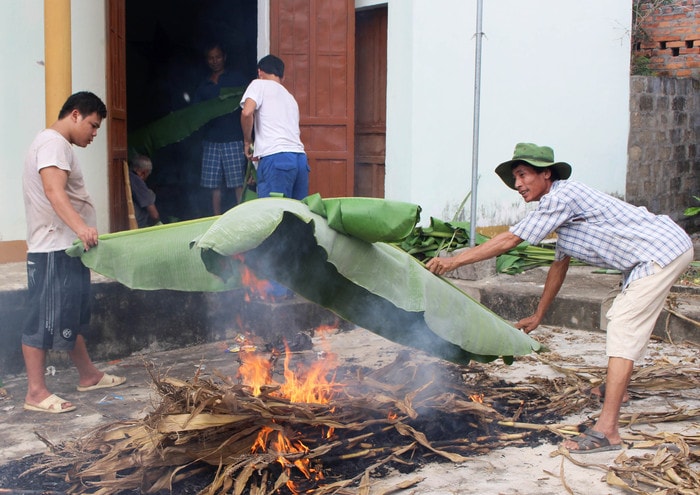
[
  {"x": 372, "y": 284},
  {"x": 154, "y": 258},
  {"x": 375, "y": 285},
  {"x": 180, "y": 124}
]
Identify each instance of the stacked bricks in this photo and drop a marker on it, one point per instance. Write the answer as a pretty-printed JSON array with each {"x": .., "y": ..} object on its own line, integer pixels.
[{"x": 668, "y": 33}]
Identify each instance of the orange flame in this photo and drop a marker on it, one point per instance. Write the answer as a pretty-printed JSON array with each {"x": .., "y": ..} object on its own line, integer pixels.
[
  {"x": 283, "y": 446},
  {"x": 309, "y": 385},
  {"x": 255, "y": 287},
  {"x": 477, "y": 398},
  {"x": 255, "y": 371}
]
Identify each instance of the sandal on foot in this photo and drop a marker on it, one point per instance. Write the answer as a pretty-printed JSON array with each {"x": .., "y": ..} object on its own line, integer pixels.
[
  {"x": 591, "y": 441},
  {"x": 52, "y": 404},
  {"x": 106, "y": 381}
]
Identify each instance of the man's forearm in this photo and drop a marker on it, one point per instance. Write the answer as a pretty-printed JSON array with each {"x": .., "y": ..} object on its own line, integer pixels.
[
  {"x": 247, "y": 126},
  {"x": 495, "y": 246},
  {"x": 64, "y": 209},
  {"x": 555, "y": 279},
  {"x": 503, "y": 242}
]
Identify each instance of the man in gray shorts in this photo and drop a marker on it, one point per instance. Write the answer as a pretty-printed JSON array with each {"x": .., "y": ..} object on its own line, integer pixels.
[
  {"x": 59, "y": 209},
  {"x": 650, "y": 250}
]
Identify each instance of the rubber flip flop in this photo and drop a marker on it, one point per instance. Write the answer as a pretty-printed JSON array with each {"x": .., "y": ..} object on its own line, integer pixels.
[
  {"x": 106, "y": 381},
  {"x": 52, "y": 404},
  {"x": 591, "y": 441}
]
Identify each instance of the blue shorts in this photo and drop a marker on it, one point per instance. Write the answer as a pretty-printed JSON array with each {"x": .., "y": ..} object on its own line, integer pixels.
[
  {"x": 284, "y": 173},
  {"x": 59, "y": 301},
  {"x": 223, "y": 163}
]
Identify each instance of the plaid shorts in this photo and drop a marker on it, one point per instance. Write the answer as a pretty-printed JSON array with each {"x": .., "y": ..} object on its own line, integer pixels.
[
  {"x": 223, "y": 162},
  {"x": 59, "y": 301}
]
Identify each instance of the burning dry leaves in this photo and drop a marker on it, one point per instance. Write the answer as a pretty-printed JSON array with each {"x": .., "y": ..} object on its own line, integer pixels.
[
  {"x": 244, "y": 433},
  {"x": 347, "y": 424}
]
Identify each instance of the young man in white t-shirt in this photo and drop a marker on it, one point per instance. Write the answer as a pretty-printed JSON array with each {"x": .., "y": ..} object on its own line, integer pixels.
[
  {"x": 59, "y": 209},
  {"x": 273, "y": 112}
]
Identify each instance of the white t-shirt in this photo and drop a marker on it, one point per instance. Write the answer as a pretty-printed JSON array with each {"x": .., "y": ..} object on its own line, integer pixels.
[
  {"x": 46, "y": 232},
  {"x": 276, "y": 118}
]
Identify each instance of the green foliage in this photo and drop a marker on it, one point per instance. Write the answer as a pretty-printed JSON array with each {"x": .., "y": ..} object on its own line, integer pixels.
[
  {"x": 692, "y": 210},
  {"x": 640, "y": 66},
  {"x": 428, "y": 242},
  {"x": 182, "y": 123},
  {"x": 329, "y": 252}
]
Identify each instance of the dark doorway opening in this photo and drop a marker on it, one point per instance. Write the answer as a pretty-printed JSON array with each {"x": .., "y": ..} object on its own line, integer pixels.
[{"x": 165, "y": 63}]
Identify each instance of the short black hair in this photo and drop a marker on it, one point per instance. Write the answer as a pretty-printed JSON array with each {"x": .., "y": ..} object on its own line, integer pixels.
[
  {"x": 84, "y": 102},
  {"x": 272, "y": 65},
  {"x": 212, "y": 44}
]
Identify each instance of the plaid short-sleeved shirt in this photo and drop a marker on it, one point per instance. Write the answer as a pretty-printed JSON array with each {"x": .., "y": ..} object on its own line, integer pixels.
[{"x": 603, "y": 231}]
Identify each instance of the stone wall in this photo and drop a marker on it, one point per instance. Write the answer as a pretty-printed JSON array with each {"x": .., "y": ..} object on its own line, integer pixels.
[{"x": 663, "y": 171}]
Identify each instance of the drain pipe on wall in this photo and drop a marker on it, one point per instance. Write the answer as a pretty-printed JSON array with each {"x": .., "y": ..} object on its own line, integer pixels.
[{"x": 475, "y": 135}]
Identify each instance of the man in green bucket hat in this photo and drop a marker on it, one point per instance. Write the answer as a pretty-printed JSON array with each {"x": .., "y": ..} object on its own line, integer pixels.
[{"x": 651, "y": 251}]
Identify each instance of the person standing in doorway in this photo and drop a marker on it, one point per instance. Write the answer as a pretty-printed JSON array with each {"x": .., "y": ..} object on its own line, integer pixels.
[
  {"x": 273, "y": 113},
  {"x": 59, "y": 208},
  {"x": 223, "y": 159}
]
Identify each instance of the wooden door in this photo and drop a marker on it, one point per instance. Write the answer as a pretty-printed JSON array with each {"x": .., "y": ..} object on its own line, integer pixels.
[
  {"x": 315, "y": 39},
  {"x": 370, "y": 101},
  {"x": 116, "y": 113}
]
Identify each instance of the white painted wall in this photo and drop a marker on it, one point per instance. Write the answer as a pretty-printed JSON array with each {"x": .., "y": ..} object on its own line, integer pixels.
[
  {"x": 22, "y": 106},
  {"x": 554, "y": 72},
  {"x": 89, "y": 47}
]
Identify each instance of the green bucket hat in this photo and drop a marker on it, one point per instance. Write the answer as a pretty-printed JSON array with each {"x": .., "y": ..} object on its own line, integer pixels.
[{"x": 537, "y": 156}]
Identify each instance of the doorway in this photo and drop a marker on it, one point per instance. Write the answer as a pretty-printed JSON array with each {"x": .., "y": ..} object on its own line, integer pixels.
[
  {"x": 370, "y": 101},
  {"x": 165, "y": 42}
]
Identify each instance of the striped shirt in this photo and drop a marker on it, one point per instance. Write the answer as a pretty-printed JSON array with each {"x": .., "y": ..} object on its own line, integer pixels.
[{"x": 603, "y": 231}]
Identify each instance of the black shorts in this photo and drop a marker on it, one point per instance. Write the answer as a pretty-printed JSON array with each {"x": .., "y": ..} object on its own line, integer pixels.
[{"x": 59, "y": 301}]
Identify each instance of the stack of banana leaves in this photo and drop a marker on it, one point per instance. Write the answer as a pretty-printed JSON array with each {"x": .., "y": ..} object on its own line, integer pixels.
[
  {"x": 427, "y": 242},
  {"x": 340, "y": 253}
]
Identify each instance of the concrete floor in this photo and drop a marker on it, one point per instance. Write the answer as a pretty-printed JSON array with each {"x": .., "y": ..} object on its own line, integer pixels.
[{"x": 510, "y": 471}]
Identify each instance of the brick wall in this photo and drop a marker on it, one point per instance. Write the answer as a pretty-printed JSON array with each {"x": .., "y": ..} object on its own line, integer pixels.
[
  {"x": 663, "y": 171},
  {"x": 667, "y": 32}
]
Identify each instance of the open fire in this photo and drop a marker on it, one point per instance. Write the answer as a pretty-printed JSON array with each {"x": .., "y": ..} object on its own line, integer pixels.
[
  {"x": 309, "y": 424},
  {"x": 303, "y": 424},
  {"x": 308, "y": 384}
]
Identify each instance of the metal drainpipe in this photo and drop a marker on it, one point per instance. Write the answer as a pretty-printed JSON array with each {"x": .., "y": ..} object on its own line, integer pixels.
[{"x": 475, "y": 135}]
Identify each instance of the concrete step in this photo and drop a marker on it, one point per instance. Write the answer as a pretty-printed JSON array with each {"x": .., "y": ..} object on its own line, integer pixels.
[
  {"x": 582, "y": 302},
  {"x": 127, "y": 321}
]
